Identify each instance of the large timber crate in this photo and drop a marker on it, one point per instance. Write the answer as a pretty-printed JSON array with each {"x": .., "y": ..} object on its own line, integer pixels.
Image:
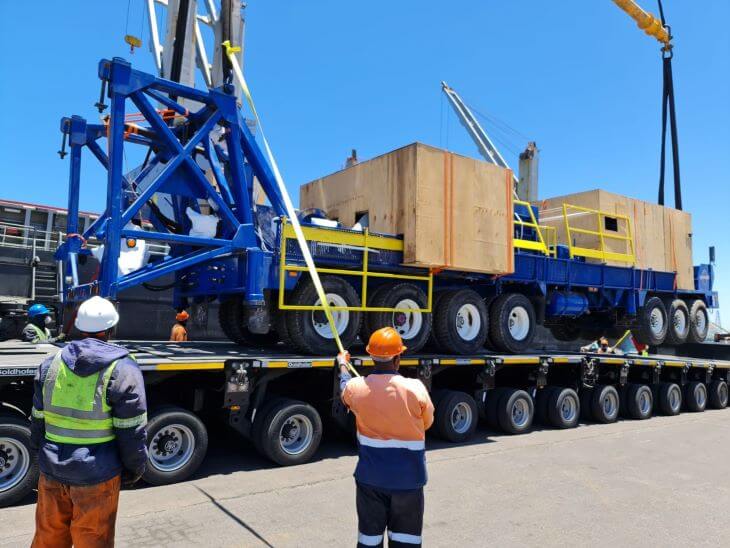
[
  {"x": 454, "y": 212},
  {"x": 662, "y": 236}
]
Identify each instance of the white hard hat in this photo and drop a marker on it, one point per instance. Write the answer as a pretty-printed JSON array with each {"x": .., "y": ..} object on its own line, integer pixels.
[{"x": 96, "y": 315}]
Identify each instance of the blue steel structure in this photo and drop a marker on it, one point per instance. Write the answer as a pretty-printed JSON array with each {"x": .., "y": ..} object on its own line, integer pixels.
[{"x": 243, "y": 258}]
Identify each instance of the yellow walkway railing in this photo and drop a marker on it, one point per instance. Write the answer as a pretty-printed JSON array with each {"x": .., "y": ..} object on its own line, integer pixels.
[
  {"x": 364, "y": 241},
  {"x": 600, "y": 252},
  {"x": 533, "y": 245}
]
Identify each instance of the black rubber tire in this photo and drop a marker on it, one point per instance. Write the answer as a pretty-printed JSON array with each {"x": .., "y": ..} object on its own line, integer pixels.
[
  {"x": 698, "y": 330},
  {"x": 565, "y": 331},
  {"x": 166, "y": 416},
  {"x": 18, "y": 429},
  {"x": 586, "y": 404},
  {"x": 717, "y": 394},
  {"x": 230, "y": 318},
  {"x": 695, "y": 396},
  {"x": 664, "y": 400},
  {"x": 388, "y": 296},
  {"x": 674, "y": 308},
  {"x": 542, "y": 399},
  {"x": 445, "y": 407},
  {"x": 500, "y": 313},
  {"x": 272, "y": 425},
  {"x": 599, "y": 410},
  {"x": 644, "y": 333},
  {"x": 432, "y": 343},
  {"x": 633, "y": 401},
  {"x": 494, "y": 396},
  {"x": 505, "y": 414},
  {"x": 365, "y": 328},
  {"x": 557, "y": 399},
  {"x": 258, "y": 422},
  {"x": 445, "y": 322},
  {"x": 299, "y": 323}
]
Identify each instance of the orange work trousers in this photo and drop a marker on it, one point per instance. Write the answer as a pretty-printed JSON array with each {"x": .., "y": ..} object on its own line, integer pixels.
[{"x": 83, "y": 516}]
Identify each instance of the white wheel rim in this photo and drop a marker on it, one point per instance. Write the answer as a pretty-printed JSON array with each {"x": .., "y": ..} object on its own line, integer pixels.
[
  {"x": 171, "y": 448},
  {"x": 679, "y": 320},
  {"x": 520, "y": 412},
  {"x": 569, "y": 408},
  {"x": 644, "y": 402},
  {"x": 700, "y": 395},
  {"x": 296, "y": 434},
  {"x": 656, "y": 321},
  {"x": 468, "y": 322},
  {"x": 518, "y": 323},
  {"x": 461, "y": 418},
  {"x": 14, "y": 463},
  {"x": 675, "y": 398},
  {"x": 610, "y": 404},
  {"x": 340, "y": 317},
  {"x": 408, "y": 324},
  {"x": 700, "y": 321}
]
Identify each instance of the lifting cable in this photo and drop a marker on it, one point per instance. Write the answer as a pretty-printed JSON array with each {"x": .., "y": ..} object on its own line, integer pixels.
[
  {"x": 669, "y": 109},
  {"x": 231, "y": 54}
]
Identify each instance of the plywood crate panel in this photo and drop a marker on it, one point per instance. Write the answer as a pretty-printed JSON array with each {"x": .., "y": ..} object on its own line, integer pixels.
[{"x": 453, "y": 212}]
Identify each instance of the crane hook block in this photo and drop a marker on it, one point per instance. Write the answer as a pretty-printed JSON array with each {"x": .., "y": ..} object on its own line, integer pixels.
[{"x": 133, "y": 42}]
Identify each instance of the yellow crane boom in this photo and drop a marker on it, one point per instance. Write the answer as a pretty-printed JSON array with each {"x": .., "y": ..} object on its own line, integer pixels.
[{"x": 646, "y": 21}]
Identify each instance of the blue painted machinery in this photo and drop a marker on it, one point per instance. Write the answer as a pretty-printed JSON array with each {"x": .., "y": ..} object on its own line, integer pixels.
[{"x": 199, "y": 153}]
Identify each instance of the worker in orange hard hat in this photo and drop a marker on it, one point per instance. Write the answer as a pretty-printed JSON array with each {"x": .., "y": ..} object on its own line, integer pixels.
[
  {"x": 179, "y": 331},
  {"x": 392, "y": 415}
]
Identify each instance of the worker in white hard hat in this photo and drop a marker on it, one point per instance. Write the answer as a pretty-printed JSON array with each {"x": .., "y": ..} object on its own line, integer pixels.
[{"x": 88, "y": 425}]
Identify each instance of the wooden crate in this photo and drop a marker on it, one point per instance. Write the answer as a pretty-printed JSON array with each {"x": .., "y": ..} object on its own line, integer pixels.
[
  {"x": 662, "y": 235},
  {"x": 453, "y": 212}
]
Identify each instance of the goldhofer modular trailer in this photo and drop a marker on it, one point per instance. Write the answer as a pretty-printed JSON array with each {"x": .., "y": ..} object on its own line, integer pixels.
[{"x": 282, "y": 402}]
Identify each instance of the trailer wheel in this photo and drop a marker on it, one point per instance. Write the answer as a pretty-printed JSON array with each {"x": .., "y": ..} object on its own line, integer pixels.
[
  {"x": 679, "y": 323},
  {"x": 695, "y": 396},
  {"x": 515, "y": 411},
  {"x": 309, "y": 330},
  {"x": 230, "y": 318},
  {"x": 653, "y": 323},
  {"x": 491, "y": 416},
  {"x": 699, "y": 322},
  {"x": 717, "y": 394},
  {"x": 638, "y": 401},
  {"x": 456, "y": 416},
  {"x": 542, "y": 399},
  {"x": 291, "y": 432},
  {"x": 513, "y": 323},
  {"x": 432, "y": 342},
  {"x": 413, "y": 326},
  {"x": 564, "y": 408},
  {"x": 177, "y": 441},
  {"x": 565, "y": 331},
  {"x": 18, "y": 462},
  {"x": 605, "y": 404},
  {"x": 461, "y": 322},
  {"x": 670, "y": 398}
]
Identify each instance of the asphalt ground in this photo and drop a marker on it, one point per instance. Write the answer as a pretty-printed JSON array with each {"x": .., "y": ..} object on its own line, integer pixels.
[{"x": 661, "y": 482}]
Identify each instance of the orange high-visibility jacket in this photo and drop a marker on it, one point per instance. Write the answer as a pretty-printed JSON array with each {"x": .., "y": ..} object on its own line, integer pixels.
[{"x": 392, "y": 415}]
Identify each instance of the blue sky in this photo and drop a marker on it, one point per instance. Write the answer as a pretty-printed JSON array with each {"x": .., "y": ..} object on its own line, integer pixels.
[{"x": 577, "y": 77}]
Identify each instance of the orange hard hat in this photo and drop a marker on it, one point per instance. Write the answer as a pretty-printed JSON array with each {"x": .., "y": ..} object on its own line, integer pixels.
[
  {"x": 182, "y": 316},
  {"x": 385, "y": 343},
  {"x": 604, "y": 340}
]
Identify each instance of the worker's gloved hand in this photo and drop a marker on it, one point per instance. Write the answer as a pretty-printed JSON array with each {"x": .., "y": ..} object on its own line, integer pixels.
[
  {"x": 61, "y": 336},
  {"x": 343, "y": 358},
  {"x": 129, "y": 477}
]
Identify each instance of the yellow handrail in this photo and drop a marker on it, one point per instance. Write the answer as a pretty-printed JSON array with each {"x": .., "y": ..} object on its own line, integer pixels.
[
  {"x": 600, "y": 252},
  {"x": 533, "y": 245},
  {"x": 366, "y": 242}
]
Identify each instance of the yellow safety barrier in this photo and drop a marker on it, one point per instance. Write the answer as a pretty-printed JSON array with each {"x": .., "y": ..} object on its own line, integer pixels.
[
  {"x": 364, "y": 241},
  {"x": 550, "y": 233},
  {"x": 601, "y": 252},
  {"x": 533, "y": 245}
]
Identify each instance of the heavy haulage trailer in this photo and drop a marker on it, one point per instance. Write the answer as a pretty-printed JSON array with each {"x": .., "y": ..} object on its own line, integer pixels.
[{"x": 281, "y": 402}]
